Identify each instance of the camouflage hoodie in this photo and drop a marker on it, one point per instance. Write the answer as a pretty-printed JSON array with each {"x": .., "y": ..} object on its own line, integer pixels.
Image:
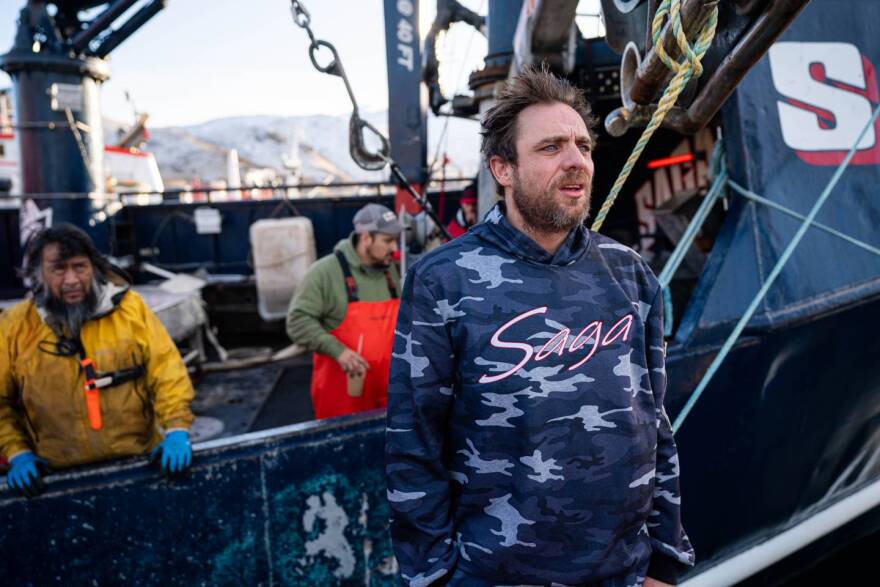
[{"x": 527, "y": 441}]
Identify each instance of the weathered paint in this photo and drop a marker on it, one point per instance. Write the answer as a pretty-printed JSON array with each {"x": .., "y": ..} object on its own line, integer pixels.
[
  {"x": 794, "y": 116},
  {"x": 303, "y": 505}
]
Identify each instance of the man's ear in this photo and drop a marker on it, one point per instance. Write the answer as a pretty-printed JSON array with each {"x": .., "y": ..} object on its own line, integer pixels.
[{"x": 502, "y": 170}]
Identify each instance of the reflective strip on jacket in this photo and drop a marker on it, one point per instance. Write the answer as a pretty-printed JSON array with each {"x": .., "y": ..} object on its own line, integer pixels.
[{"x": 42, "y": 403}]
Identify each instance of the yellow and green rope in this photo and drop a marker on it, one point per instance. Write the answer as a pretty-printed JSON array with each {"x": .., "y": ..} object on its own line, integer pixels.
[{"x": 689, "y": 65}]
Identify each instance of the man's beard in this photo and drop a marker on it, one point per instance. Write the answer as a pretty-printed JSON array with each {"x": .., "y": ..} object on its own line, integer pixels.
[
  {"x": 544, "y": 213},
  {"x": 379, "y": 262},
  {"x": 68, "y": 319}
]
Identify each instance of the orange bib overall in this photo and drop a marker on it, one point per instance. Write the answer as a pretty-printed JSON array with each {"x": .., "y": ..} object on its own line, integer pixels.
[{"x": 369, "y": 325}]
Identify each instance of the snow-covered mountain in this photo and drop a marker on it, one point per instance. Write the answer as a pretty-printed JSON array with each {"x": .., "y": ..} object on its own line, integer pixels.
[{"x": 200, "y": 151}]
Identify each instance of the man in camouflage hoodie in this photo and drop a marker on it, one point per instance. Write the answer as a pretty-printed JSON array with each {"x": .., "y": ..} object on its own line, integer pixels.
[{"x": 527, "y": 441}]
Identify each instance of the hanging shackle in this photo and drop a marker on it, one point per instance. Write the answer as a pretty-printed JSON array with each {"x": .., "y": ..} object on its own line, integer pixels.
[
  {"x": 357, "y": 144},
  {"x": 333, "y": 67}
]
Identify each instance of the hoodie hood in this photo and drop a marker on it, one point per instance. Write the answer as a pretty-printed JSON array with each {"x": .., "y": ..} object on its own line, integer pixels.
[
  {"x": 112, "y": 293},
  {"x": 496, "y": 229}
]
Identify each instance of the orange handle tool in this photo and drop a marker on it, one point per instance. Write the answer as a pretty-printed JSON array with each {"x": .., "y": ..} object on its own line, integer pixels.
[{"x": 93, "y": 398}]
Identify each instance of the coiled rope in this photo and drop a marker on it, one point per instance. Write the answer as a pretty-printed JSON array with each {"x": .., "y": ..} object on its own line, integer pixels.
[{"x": 687, "y": 66}]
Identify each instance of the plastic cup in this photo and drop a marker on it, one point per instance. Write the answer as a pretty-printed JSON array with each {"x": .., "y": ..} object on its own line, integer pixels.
[
  {"x": 356, "y": 382},
  {"x": 356, "y": 385}
]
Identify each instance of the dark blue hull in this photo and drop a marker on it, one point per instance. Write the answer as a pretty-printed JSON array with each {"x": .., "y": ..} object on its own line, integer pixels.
[
  {"x": 299, "y": 506},
  {"x": 774, "y": 437},
  {"x": 789, "y": 424}
]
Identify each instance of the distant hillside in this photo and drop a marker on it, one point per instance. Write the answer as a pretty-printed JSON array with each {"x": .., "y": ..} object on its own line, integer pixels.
[{"x": 199, "y": 151}]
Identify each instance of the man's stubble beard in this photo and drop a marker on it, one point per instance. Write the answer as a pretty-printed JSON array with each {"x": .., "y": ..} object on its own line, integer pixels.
[
  {"x": 543, "y": 213},
  {"x": 379, "y": 263}
]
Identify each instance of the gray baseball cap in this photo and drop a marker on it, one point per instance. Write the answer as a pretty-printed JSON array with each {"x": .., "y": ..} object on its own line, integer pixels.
[{"x": 377, "y": 218}]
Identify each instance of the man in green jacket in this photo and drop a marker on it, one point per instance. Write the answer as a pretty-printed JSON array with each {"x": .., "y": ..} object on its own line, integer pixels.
[{"x": 345, "y": 311}]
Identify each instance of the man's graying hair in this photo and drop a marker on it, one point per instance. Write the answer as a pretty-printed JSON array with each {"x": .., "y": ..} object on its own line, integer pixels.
[{"x": 534, "y": 85}]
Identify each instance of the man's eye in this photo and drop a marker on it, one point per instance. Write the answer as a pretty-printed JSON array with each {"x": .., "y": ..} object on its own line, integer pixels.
[
  {"x": 551, "y": 148},
  {"x": 585, "y": 148}
]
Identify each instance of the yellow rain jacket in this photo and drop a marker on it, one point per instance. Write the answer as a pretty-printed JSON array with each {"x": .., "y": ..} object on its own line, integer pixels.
[{"x": 42, "y": 402}]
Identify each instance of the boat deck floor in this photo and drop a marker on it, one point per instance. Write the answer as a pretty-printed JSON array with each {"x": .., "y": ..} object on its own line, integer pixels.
[{"x": 256, "y": 398}]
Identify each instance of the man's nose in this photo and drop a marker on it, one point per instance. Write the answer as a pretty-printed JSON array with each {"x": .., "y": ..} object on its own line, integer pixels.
[
  {"x": 70, "y": 277},
  {"x": 574, "y": 158},
  {"x": 394, "y": 246}
]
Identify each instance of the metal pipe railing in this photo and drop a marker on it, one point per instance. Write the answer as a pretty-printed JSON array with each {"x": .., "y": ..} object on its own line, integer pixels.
[
  {"x": 379, "y": 185},
  {"x": 747, "y": 52},
  {"x": 101, "y": 22},
  {"x": 130, "y": 26},
  {"x": 652, "y": 72}
]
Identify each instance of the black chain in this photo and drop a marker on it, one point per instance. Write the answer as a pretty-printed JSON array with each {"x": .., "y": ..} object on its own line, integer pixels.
[{"x": 371, "y": 161}]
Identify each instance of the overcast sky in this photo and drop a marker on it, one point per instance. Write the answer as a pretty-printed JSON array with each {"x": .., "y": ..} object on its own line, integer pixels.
[{"x": 203, "y": 59}]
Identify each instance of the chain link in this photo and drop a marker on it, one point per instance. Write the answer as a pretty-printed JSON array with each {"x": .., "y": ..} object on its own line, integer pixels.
[
  {"x": 365, "y": 158},
  {"x": 301, "y": 17}
]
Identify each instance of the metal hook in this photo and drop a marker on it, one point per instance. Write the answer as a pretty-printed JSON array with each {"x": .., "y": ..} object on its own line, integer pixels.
[
  {"x": 363, "y": 157},
  {"x": 366, "y": 159}
]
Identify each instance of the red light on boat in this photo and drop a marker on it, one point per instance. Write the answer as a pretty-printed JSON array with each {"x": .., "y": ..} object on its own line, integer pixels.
[{"x": 667, "y": 161}]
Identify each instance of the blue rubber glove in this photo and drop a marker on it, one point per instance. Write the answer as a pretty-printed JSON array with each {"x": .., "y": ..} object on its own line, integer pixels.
[
  {"x": 176, "y": 453},
  {"x": 24, "y": 476}
]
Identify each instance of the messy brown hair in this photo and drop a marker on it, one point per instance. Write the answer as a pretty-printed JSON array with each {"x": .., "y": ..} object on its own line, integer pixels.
[{"x": 533, "y": 85}]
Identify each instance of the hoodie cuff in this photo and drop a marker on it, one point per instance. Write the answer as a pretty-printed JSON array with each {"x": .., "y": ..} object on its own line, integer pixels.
[{"x": 664, "y": 569}]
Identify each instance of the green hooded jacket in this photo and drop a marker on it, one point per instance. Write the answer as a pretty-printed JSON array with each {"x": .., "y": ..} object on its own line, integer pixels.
[{"x": 321, "y": 300}]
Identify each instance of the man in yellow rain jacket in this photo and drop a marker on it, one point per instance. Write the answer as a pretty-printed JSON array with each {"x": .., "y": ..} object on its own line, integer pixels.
[{"x": 87, "y": 371}]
